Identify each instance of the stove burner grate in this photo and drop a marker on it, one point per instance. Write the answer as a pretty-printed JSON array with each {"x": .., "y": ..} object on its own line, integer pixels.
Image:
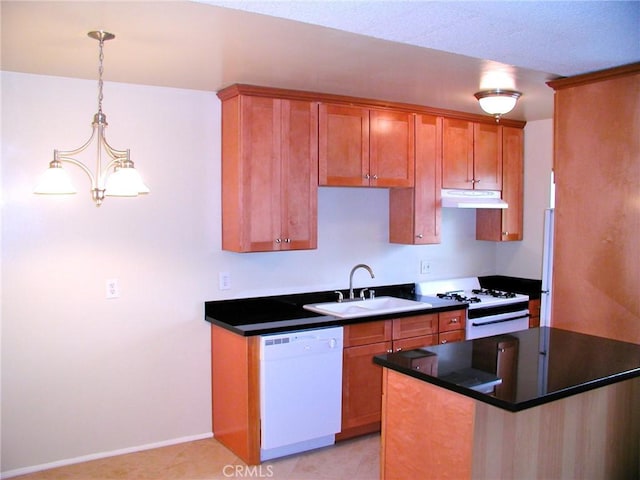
[{"x": 494, "y": 293}]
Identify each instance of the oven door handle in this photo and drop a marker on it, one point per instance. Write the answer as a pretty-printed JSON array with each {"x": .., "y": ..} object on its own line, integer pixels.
[{"x": 502, "y": 320}]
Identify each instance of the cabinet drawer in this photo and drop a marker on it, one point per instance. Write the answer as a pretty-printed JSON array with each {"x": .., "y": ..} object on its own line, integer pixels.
[
  {"x": 415, "y": 326},
  {"x": 367, "y": 333},
  {"x": 453, "y": 320},
  {"x": 451, "y": 336},
  {"x": 415, "y": 342}
]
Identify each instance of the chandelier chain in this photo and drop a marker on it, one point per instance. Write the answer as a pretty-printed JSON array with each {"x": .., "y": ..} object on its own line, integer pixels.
[{"x": 100, "y": 82}]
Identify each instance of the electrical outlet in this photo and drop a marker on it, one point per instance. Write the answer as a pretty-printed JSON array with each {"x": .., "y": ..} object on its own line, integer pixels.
[
  {"x": 425, "y": 267},
  {"x": 112, "y": 288},
  {"x": 224, "y": 281}
]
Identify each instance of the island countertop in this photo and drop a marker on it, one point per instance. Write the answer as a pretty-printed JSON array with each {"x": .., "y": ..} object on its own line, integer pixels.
[{"x": 527, "y": 368}]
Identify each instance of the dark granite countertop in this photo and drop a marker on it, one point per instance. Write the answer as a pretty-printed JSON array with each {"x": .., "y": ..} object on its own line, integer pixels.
[
  {"x": 524, "y": 286},
  {"x": 546, "y": 365},
  {"x": 281, "y": 313}
]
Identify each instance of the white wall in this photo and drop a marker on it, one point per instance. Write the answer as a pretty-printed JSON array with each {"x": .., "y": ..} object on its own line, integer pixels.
[{"x": 82, "y": 375}]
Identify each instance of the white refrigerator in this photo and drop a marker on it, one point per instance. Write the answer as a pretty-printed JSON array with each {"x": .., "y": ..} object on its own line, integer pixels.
[{"x": 547, "y": 269}]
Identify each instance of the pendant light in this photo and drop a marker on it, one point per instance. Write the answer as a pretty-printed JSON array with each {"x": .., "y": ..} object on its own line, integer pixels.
[{"x": 117, "y": 178}]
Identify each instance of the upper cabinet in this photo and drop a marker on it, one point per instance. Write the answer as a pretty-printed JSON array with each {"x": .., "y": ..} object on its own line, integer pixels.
[
  {"x": 506, "y": 224},
  {"x": 471, "y": 155},
  {"x": 269, "y": 173},
  {"x": 415, "y": 213},
  {"x": 365, "y": 147},
  {"x": 278, "y": 145}
]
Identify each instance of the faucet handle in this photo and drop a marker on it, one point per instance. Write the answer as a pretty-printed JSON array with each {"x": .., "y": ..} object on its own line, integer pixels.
[
  {"x": 362, "y": 293},
  {"x": 340, "y": 296}
]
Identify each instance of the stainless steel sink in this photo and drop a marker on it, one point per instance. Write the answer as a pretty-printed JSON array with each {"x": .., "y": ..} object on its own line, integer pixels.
[{"x": 365, "y": 308}]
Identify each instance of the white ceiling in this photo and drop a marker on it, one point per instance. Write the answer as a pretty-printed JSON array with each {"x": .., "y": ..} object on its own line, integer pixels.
[{"x": 422, "y": 52}]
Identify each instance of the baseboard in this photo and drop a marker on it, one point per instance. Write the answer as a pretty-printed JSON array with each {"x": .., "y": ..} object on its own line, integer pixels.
[{"x": 96, "y": 456}]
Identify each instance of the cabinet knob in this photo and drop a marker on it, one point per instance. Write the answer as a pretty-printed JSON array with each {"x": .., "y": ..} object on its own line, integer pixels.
[
  {"x": 367, "y": 176},
  {"x": 287, "y": 240},
  {"x": 419, "y": 235},
  {"x": 443, "y": 341},
  {"x": 476, "y": 181},
  {"x": 278, "y": 240},
  {"x": 454, "y": 320},
  {"x": 390, "y": 350},
  {"x": 375, "y": 177},
  {"x": 399, "y": 349}
]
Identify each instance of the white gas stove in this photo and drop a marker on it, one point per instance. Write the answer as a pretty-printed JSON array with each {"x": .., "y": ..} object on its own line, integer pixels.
[{"x": 491, "y": 312}]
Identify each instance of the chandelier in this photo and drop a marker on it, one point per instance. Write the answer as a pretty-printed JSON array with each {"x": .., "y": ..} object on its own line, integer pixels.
[{"x": 117, "y": 178}]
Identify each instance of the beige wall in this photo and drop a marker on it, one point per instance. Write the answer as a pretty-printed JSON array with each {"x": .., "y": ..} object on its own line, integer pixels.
[{"x": 83, "y": 376}]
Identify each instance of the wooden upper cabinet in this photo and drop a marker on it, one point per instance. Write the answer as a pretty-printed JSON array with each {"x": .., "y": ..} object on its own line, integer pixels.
[
  {"x": 269, "y": 174},
  {"x": 506, "y": 224},
  {"x": 363, "y": 147},
  {"x": 472, "y": 155},
  {"x": 415, "y": 213}
]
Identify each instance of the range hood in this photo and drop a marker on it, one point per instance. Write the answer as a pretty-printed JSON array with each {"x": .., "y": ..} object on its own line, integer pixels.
[{"x": 472, "y": 199}]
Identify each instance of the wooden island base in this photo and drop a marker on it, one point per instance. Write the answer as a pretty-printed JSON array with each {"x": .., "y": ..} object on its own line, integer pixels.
[{"x": 429, "y": 432}]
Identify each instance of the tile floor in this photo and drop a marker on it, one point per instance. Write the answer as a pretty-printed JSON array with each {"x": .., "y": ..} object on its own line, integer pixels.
[{"x": 356, "y": 459}]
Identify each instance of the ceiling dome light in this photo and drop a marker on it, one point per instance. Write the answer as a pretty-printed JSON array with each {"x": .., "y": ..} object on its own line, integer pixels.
[{"x": 497, "y": 102}]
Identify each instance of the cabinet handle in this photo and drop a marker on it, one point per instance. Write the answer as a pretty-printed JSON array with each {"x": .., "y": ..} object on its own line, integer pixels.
[
  {"x": 419, "y": 235},
  {"x": 390, "y": 350}
]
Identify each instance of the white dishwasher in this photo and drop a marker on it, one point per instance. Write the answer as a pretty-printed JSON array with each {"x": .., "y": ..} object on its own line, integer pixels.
[{"x": 300, "y": 390}]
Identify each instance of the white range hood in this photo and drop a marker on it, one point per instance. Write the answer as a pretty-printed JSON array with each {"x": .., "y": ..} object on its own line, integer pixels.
[{"x": 472, "y": 199}]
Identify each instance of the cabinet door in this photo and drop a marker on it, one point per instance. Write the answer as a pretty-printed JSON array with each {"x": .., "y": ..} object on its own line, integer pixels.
[
  {"x": 414, "y": 326},
  {"x": 299, "y": 175},
  {"x": 343, "y": 145},
  {"x": 391, "y": 156},
  {"x": 361, "y": 389},
  {"x": 269, "y": 174},
  {"x": 415, "y": 213},
  {"x": 451, "y": 336},
  {"x": 487, "y": 156},
  {"x": 414, "y": 342},
  {"x": 251, "y": 202},
  {"x": 452, "y": 320},
  {"x": 367, "y": 333},
  {"x": 534, "y": 313},
  {"x": 506, "y": 224},
  {"x": 457, "y": 154}
]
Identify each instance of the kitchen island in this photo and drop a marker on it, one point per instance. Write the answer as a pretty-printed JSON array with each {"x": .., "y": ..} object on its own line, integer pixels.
[{"x": 540, "y": 403}]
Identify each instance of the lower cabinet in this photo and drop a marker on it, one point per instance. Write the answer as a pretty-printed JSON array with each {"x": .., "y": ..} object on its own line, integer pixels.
[
  {"x": 362, "y": 379},
  {"x": 534, "y": 313},
  {"x": 451, "y": 326}
]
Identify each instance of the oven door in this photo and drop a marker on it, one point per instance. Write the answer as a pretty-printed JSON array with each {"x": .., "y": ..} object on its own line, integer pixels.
[{"x": 489, "y": 325}]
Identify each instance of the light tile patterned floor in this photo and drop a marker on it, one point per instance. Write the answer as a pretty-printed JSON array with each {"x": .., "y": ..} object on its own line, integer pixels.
[{"x": 356, "y": 459}]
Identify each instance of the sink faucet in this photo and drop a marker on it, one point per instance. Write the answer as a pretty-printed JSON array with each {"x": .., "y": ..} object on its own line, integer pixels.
[{"x": 360, "y": 265}]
